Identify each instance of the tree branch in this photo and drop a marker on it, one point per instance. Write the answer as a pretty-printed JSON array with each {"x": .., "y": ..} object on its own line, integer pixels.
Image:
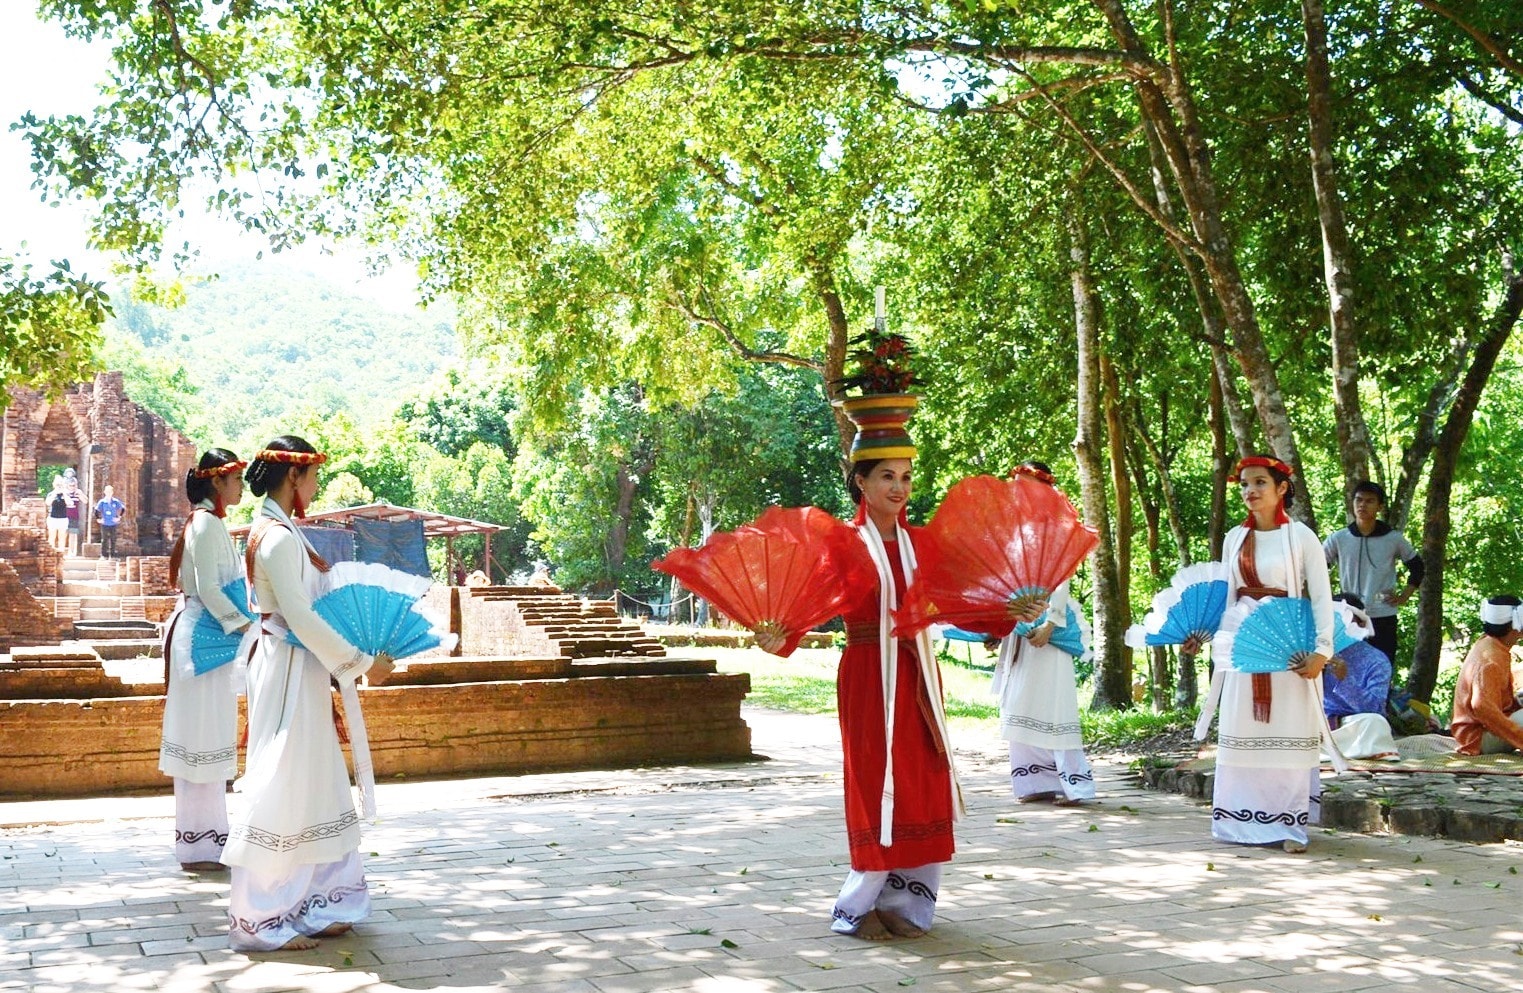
[
  {"x": 1486, "y": 41},
  {"x": 683, "y": 306}
]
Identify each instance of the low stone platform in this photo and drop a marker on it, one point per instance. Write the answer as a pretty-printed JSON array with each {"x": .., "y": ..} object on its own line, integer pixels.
[
  {"x": 1482, "y": 808},
  {"x": 434, "y": 717}
]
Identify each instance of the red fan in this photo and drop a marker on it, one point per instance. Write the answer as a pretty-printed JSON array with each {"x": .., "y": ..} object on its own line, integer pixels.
[
  {"x": 994, "y": 548},
  {"x": 783, "y": 574}
]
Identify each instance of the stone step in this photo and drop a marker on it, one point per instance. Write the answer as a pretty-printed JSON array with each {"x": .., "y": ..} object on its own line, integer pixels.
[
  {"x": 99, "y": 613},
  {"x": 114, "y": 629},
  {"x": 98, "y": 587},
  {"x": 128, "y": 648}
]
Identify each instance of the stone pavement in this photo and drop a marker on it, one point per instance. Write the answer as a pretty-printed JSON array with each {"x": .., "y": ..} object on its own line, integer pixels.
[{"x": 720, "y": 879}]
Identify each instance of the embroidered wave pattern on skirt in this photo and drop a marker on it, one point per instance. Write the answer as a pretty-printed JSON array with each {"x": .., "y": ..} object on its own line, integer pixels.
[
  {"x": 1299, "y": 819},
  {"x": 193, "y": 837},
  {"x": 315, "y": 902},
  {"x": 286, "y": 842},
  {"x": 178, "y": 751},
  {"x": 1035, "y": 769},
  {"x": 915, "y": 886},
  {"x": 1033, "y": 724}
]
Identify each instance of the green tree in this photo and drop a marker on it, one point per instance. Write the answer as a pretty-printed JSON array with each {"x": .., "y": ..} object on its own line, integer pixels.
[{"x": 49, "y": 326}]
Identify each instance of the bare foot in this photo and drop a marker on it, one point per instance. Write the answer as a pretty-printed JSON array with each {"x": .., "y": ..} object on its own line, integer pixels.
[
  {"x": 899, "y": 927},
  {"x": 203, "y": 866},
  {"x": 872, "y": 928},
  {"x": 1294, "y": 847},
  {"x": 1036, "y": 797},
  {"x": 334, "y": 930},
  {"x": 300, "y": 943}
]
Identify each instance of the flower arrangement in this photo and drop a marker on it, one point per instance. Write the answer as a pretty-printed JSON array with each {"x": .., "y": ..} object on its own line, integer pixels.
[{"x": 882, "y": 364}]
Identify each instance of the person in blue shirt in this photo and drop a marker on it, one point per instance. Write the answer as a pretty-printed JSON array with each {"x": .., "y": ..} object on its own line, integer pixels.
[{"x": 108, "y": 511}]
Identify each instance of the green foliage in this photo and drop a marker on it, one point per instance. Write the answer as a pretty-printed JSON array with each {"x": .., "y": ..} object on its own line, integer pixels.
[{"x": 49, "y": 326}]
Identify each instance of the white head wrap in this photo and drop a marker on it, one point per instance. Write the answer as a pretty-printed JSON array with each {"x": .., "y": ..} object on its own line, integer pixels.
[{"x": 1497, "y": 613}]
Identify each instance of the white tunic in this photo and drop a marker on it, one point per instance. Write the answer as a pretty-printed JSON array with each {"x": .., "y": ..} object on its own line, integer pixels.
[
  {"x": 201, "y": 712},
  {"x": 1037, "y": 688},
  {"x": 298, "y": 808},
  {"x": 1289, "y": 558}
]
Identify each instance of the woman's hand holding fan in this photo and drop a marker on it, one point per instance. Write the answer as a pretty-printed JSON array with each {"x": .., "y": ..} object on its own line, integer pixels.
[
  {"x": 375, "y": 608},
  {"x": 780, "y": 576},
  {"x": 1276, "y": 634},
  {"x": 992, "y": 555},
  {"x": 1187, "y": 612}
]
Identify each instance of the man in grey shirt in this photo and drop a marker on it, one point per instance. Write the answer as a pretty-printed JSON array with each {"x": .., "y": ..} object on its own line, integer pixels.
[{"x": 1366, "y": 553}]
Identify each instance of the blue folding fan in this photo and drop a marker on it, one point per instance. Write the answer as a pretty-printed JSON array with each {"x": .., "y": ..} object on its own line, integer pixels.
[
  {"x": 1191, "y": 605},
  {"x": 1072, "y": 638},
  {"x": 1266, "y": 635},
  {"x": 375, "y": 609},
  {"x": 210, "y": 646}
]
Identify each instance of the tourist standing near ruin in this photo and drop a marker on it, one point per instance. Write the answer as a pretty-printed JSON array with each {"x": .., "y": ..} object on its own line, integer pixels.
[
  {"x": 200, "y": 747},
  {"x": 294, "y": 842},
  {"x": 108, "y": 510},
  {"x": 58, "y": 516},
  {"x": 73, "y": 499}
]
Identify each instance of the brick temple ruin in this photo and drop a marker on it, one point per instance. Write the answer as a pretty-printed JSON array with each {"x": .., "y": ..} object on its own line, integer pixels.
[{"x": 540, "y": 679}]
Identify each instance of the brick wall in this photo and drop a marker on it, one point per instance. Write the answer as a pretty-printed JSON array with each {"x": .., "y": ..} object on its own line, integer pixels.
[
  {"x": 23, "y": 620},
  {"x": 27, "y": 551}
]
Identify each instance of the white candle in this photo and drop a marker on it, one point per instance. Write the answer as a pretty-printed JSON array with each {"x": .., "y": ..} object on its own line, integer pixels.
[{"x": 879, "y": 293}]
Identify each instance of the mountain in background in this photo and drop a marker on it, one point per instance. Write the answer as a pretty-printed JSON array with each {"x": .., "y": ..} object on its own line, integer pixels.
[{"x": 261, "y": 350}]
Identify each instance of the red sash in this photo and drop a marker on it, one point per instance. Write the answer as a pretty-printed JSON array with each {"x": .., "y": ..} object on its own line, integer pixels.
[{"x": 1263, "y": 693}]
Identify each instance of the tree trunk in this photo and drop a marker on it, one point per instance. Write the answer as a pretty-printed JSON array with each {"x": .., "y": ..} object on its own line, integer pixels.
[
  {"x": 1415, "y": 456},
  {"x": 1113, "y": 679},
  {"x": 1430, "y": 607},
  {"x": 1170, "y": 110},
  {"x": 1348, "y": 416},
  {"x": 1221, "y": 465},
  {"x": 1115, "y": 432},
  {"x": 838, "y": 332}
]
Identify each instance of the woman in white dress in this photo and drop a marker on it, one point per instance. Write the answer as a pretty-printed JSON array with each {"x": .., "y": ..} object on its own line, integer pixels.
[
  {"x": 294, "y": 846},
  {"x": 1268, "y": 786},
  {"x": 200, "y": 747},
  {"x": 1039, "y": 703}
]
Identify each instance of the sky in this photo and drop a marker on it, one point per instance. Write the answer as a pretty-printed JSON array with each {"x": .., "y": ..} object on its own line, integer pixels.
[{"x": 44, "y": 71}]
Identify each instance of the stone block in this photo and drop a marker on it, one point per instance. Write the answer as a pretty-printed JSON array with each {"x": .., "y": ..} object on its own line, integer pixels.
[
  {"x": 1484, "y": 824},
  {"x": 1416, "y": 818},
  {"x": 1352, "y": 812}
]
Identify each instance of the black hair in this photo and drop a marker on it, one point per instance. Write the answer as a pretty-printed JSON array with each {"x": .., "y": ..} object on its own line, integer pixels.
[
  {"x": 1352, "y": 599},
  {"x": 863, "y": 469},
  {"x": 198, "y": 488},
  {"x": 265, "y": 477},
  {"x": 1500, "y": 630},
  {"x": 1365, "y": 486},
  {"x": 1278, "y": 477}
]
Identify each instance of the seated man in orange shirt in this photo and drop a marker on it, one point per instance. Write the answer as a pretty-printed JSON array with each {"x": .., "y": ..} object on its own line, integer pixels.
[{"x": 1487, "y": 718}]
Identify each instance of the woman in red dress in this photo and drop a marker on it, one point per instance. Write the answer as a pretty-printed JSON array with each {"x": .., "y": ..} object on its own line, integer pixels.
[{"x": 901, "y": 790}]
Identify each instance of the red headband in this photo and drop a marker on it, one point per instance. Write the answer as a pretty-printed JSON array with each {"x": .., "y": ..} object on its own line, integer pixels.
[
  {"x": 1259, "y": 462},
  {"x": 291, "y": 458},
  {"x": 226, "y": 469},
  {"x": 1034, "y": 473}
]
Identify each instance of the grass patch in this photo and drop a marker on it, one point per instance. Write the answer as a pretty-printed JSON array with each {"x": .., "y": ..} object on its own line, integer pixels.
[
  {"x": 1122, "y": 728},
  {"x": 805, "y": 683}
]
